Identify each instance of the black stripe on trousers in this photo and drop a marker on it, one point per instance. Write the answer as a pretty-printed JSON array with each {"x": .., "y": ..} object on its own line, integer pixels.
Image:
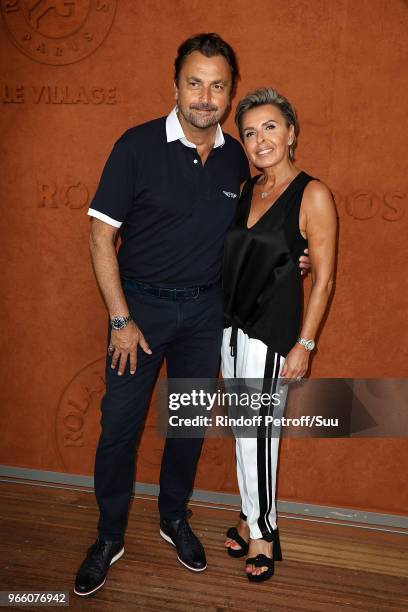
[
  {"x": 268, "y": 440},
  {"x": 271, "y": 374}
]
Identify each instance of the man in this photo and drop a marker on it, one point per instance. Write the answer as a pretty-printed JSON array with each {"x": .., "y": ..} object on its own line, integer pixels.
[{"x": 171, "y": 185}]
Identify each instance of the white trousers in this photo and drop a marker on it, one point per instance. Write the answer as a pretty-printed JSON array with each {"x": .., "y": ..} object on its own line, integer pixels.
[{"x": 257, "y": 458}]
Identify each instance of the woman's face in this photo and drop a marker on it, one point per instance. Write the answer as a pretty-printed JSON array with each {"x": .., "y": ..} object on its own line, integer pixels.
[{"x": 266, "y": 136}]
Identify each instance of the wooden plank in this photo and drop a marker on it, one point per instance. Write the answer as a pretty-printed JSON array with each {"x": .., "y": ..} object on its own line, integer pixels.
[{"x": 45, "y": 533}]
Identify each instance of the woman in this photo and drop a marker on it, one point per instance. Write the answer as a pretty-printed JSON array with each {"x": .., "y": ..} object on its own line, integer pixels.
[{"x": 280, "y": 212}]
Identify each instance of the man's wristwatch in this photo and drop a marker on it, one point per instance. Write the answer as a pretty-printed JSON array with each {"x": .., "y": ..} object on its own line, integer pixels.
[
  {"x": 120, "y": 322},
  {"x": 308, "y": 344}
]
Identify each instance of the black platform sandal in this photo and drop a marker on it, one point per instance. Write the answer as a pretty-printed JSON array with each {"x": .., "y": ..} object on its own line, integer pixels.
[
  {"x": 264, "y": 561},
  {"x": 233, "y": 534}
]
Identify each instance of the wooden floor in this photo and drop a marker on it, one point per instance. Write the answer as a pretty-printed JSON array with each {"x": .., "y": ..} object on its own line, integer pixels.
[{"x": 45, "y": 533}]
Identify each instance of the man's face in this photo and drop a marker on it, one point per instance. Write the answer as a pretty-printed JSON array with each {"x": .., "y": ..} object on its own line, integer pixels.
[{"x": 204, "y": 89}]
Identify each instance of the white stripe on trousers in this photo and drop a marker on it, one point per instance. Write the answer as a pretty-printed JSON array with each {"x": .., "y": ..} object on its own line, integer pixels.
[{"x": 257, "y": 458}]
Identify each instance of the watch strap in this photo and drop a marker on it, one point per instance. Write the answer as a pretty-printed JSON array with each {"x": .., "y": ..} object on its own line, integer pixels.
[{"x": 309, "y": 345}]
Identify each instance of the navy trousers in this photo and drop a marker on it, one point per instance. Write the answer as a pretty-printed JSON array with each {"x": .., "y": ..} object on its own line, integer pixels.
[{"x": 188, "y": 334}]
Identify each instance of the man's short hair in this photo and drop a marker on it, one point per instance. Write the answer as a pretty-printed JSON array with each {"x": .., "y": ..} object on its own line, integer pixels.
[{"x": 210, "y": 45}]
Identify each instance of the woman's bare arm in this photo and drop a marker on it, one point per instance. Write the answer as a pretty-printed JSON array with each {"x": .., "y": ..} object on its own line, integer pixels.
[{"x": 320, "y": 227}]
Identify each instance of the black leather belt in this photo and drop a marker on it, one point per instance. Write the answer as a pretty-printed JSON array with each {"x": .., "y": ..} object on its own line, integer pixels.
[{"x": 166, "y": 293}]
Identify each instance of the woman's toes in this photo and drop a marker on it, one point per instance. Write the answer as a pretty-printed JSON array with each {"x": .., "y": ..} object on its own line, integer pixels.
[{"x": 231, "y": 544}]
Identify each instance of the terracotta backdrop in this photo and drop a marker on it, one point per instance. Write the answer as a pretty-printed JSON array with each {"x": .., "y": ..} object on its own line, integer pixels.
[{"x": 74, "y": 76}]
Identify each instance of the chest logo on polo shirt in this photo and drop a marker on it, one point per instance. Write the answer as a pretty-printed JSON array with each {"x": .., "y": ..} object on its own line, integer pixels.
[{"x": 229, "y": 194}]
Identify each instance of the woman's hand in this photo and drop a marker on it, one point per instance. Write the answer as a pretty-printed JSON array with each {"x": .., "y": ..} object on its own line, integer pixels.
[
  {"x": 296, "y": 363},
  {"x": 304, "y": 263}
]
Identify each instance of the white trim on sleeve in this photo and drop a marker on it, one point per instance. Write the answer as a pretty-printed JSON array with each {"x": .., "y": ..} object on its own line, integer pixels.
[{"x": 103, "y": 217}]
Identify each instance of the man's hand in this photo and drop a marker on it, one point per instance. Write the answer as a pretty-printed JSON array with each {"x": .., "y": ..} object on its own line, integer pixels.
[
  {"x": 304, "y": 263},
  {"x": 123, "y": 344}
]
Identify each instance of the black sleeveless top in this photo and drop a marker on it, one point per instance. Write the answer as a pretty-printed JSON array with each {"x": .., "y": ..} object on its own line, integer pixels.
[{"x": 261, "y": 275}]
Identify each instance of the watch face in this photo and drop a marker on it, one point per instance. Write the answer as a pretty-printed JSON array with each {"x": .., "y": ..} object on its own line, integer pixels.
[
  {"x": 118, "y": 323},
  {"x": 310, "y": 345}
]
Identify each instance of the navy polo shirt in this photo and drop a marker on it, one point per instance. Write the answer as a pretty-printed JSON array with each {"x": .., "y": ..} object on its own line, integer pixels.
[{"x": 172, "y": 211}]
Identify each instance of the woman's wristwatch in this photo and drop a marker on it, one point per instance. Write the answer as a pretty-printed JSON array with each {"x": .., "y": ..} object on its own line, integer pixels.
[
  {"x": 120, "y": 322},
  {"x": 308, "y": 344}
]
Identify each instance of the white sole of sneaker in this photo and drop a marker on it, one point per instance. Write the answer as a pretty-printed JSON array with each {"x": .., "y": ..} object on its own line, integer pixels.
[
  {"x": 114, "y": 559},
  {"x": 170, "y": 541}
]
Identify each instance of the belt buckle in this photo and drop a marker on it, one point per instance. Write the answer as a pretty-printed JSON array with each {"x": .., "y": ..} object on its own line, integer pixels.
[
  {"x": 168, "y": 293},
  {"x": 175, "y": 293}
]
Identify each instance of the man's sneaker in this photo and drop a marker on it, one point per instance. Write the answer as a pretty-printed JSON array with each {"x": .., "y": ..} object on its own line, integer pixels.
[
  {"x": 190, "y": 551},
  {"x": 91, "y": 575}
]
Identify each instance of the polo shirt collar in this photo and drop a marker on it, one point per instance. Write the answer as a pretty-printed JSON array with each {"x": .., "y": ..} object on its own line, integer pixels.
[{"x": 174, "y": 131}]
